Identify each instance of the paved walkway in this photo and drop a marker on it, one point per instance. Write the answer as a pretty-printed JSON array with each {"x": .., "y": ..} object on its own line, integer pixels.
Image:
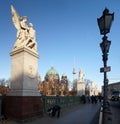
[{"x": 82, "y": 114}]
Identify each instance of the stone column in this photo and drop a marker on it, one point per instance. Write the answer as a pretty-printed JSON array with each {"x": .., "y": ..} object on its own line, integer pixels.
[
  {"x": 80, "y": 88},
  {"x": 81, "y": 84},
  {"x": 24, "y": 100}
]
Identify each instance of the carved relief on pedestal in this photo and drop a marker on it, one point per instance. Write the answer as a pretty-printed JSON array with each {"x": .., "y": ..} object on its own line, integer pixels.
[{"x": 31, "y": 71}]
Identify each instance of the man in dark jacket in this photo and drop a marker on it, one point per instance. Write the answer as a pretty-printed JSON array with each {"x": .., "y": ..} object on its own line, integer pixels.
[{"x": 53, "y": 110}]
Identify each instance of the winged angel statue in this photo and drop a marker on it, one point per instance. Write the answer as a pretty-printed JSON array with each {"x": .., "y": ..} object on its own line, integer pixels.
[{"x": 25, "y": 33}]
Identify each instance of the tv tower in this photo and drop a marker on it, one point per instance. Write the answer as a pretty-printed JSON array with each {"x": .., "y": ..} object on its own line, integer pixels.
[
  {"x": 74, "y": 77},
  {"x": 74, "y": 71}
]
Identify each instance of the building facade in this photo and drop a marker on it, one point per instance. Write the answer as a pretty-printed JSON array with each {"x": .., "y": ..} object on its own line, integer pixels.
[{"x": 113, "y": 87}]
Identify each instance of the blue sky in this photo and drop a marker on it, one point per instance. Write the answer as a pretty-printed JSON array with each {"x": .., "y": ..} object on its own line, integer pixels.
[{"x": 67, "y": 35}]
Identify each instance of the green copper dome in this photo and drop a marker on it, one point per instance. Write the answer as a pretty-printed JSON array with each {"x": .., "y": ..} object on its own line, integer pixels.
[
  {"x": 51, "y": 74},
  {"x": 52, "y": 71}
]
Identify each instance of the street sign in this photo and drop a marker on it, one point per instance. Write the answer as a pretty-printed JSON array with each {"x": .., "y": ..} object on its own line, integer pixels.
[{"x": 105, "y": 69}]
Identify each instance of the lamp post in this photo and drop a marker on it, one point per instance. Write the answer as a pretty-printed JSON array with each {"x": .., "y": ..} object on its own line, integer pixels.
[{"x": 104, "y": 23}]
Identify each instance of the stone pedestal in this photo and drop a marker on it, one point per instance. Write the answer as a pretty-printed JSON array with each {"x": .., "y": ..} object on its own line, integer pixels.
[
  {"x": 23, "y": 107},
  {"x": 24, "y": 100},
  {"x": 80, "y": 88},
  {"x": 0, "y": 107},
  {"x": 24, "y": 72}
]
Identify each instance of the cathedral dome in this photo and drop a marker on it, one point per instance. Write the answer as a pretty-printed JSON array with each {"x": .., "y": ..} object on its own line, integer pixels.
[{"x": 52, "y": 74}]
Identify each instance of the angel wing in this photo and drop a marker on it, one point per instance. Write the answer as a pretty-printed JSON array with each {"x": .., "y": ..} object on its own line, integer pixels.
[{"x": 15, "y": 18}]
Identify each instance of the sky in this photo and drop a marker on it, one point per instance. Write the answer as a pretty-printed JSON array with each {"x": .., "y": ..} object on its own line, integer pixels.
[{"x": 67, "y": 36}]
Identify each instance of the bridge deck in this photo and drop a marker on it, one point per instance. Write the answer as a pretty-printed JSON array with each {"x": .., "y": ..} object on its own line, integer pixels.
[{"x": 82, "y": 114}]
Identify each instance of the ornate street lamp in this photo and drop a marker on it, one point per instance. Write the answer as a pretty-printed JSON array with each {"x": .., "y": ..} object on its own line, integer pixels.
[
  {"x": 105, "y": 45},
  {"x": 104, "y": 23}
]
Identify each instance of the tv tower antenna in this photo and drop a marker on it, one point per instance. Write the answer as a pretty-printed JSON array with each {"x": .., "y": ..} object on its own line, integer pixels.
[
  {"x": 74, "y": 68},
  {"x": 74, "y": 71},
  {"x": 74, "y": 77}
]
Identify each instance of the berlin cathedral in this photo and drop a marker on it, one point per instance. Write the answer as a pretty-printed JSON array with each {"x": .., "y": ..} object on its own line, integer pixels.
[{"x": 52, "y": 84}]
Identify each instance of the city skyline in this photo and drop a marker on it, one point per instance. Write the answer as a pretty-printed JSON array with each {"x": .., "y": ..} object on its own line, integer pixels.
[{"x": 67, "y": 35}]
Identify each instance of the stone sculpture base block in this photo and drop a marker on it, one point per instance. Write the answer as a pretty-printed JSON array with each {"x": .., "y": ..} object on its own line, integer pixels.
[
  {"x": 23, "y": 107},
  {"x": 24, "y": 73}
]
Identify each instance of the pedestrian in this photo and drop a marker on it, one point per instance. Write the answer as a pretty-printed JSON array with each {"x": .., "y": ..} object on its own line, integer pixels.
[
  {"x": 88, "y": 98},
  {"x": 49, "y": 111},
  {"x": 56, "y": 109},
  {"x": 92, "y": 99},
  {"x": 83, "y": 99},
  {"x": 95, "y": 99},
  {"x": 100, "y": 98}
]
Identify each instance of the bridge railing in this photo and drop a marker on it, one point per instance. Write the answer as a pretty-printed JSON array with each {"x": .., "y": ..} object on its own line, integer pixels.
[
  {"x": 49, "y": 101},
  {"x": 62, "y": 101}
]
